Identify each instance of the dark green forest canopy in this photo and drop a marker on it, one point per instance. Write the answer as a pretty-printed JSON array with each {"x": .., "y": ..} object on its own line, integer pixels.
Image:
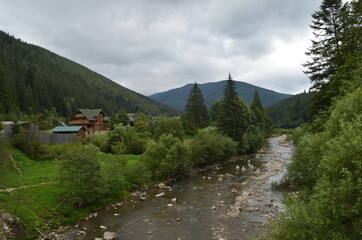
[{"x": 33, "y": 79}]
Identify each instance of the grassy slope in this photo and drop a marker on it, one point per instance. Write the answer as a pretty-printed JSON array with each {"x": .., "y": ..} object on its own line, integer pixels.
[{"x": 38, "y": 206}]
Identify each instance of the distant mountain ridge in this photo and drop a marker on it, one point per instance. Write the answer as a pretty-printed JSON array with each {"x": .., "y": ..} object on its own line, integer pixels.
[
  {"x": 33, "y": 79},
  {"x": 177, "y": 98}
]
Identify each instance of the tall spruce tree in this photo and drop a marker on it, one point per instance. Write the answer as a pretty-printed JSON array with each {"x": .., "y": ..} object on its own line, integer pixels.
[
  {"x": 261, "y": 118},
  {"x": 325, "y": 52},
  {"x": 234, "y": 115},
  {"x": 196, "y": 115}
]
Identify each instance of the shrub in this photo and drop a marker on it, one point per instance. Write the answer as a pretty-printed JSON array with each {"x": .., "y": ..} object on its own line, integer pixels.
[
  {"x": 80, "y": 177},
  {"x": 166, "y": 125},
  {"x": 166, "y": 158},
  {"x": 210, "y": 148}
]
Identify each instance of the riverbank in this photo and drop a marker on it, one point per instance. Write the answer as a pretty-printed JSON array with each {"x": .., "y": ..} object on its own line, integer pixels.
[
  {"x": 223, "y": 203},
  {"x": 258, "y": 203}
]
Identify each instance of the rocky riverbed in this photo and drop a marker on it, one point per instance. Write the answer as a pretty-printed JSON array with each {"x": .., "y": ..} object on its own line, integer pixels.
[{"x": 233, "y": 201}]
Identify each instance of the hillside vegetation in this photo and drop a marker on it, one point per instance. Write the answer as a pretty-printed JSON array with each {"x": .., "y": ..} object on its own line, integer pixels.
[
  {"x": 291, "y": 112},
  {"x": 177, "y": 98},
  {"x": 33, "y": 79}
]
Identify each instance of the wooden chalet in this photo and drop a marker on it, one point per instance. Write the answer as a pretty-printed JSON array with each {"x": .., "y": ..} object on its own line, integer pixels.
[{"x": 92, "y": 120}]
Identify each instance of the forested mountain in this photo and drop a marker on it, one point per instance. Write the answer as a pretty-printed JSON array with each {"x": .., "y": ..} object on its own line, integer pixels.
[
  {"x": 212, "y": 91},
  {"x": 291, "y": 112},
  {"x": 33, "y": 79}
]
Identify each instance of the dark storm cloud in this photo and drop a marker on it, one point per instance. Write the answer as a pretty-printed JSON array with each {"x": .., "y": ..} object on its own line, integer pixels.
[{"x": 151, "y": 46}]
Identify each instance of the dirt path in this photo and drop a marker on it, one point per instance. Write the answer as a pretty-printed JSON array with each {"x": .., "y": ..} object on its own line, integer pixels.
[
  {"x": 258, "y": 203},
  {"x": 21, "y": 187}
]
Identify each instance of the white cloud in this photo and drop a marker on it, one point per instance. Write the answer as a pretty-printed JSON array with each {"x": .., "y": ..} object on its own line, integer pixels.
[{"x": 154, "y": 46}]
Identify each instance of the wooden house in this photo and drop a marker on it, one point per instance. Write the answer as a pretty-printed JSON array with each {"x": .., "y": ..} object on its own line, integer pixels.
[
  {"x": 78, "y": 130},
  {"x": 92, "y": 120}
]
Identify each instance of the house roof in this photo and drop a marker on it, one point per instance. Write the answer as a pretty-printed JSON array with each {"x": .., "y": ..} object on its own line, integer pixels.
[
  {"x": 90, "y": 113},
  {"x": 67, "y": 129}
]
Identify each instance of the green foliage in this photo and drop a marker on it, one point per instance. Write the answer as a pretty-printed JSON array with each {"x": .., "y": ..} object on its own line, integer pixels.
[
  {"x": 196, "y": 115},
  {"x": 33, "y": 80},
  {"x": 167, "y": 125},
  {"x": 262, "y": 120},
  {"x": 123, "y": 139},
  {"x": 234, "y": 115},
  {"x": 252, "y": 140},
  {"x": 118, "y": 118},
  {"x": 328, "y": 165},
  {"x": 209, "y": 148},
  {"x": 27, "y": 141},
  {"x": 136, "y": 173},
  {"x": 113, "y": 179},
  {"x": 291, "y": 112},
  {"x": 80, "y": 176},
  {"x": 166, "y": 158},
  {"x": 215, "y": 111}
]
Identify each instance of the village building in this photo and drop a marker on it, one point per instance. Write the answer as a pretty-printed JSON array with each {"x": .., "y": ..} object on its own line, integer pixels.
[
  {"x": 77, "y": 130},
  {"x": 94, "y": 121}
]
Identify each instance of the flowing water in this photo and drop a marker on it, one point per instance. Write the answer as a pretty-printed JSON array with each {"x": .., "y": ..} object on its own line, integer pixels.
[{"x": 202, "y": 206}]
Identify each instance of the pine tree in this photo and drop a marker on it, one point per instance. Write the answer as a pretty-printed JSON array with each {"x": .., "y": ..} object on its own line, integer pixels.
[
  {"x": 234, "y": 115},
  {"x": 261, "y": 118},
  {"x": 196, "y": 115},
  {"x": 325, "y": 52}
]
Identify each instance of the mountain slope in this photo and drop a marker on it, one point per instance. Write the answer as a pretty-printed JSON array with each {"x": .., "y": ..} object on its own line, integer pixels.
[
  {"x": 291, "y": 112},
  {"x": 33, "y": 79},
  {"x": 177, "y": 97}
]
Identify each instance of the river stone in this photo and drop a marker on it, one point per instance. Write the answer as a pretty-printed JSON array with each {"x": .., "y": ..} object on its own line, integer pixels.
[
  {"x": 170, "y": 205},
  {"x": 98, "y": 239},
  {"x": 245, "y": 194},
  {"x": 250, "y": 209},
  {"x": 237, "y": 168},
  {"x": 213, "y": 207},
  {"x": 174, "y": 200},
  {"x": 161, "y": 194},
  {"x": 103, "y": 227},
  {"x": 162, "y": 186},
  {"x": 109, "y": 235},
  {"x": 243, "y": 169}
]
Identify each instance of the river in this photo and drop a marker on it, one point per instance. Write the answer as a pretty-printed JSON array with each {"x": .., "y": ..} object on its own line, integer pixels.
[{"x": 223, "y": 203}]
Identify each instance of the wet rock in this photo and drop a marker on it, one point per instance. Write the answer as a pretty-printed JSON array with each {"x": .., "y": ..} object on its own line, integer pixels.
[
  {"x": 213, "y": 207},
  {"x": 109, "y": 235},
  {"x": 250, "y": 209},
  {"x": 178, "y": 219},
  {"x": 161, "y": 194},
  {"x": 162, "y": 186}
]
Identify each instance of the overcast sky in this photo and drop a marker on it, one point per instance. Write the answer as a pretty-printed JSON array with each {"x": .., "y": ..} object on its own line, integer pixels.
[{"x": 151, "y": 46}]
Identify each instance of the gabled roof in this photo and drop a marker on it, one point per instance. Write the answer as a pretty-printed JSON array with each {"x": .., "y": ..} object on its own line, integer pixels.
[
  {"x": 67, "y": 129},
  {"x": 90, "y": 113}
]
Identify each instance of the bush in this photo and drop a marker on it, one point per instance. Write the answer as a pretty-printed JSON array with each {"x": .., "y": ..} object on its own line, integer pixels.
[
  {"x": 210, "y": 148},
  {"x": 166, "y": 158},
  {"x": 166, "y": 125},
  {"x": 136, "y": 173},
  {"x": 252, "y": 140},
  {"x": 114, "y": 182},
  {"x": 124, "y": 136},
  {"x": 80, "y": 176}
]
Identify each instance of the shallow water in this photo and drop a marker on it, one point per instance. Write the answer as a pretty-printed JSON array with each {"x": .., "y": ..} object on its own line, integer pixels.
[{"x": 200, "y": 210}]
